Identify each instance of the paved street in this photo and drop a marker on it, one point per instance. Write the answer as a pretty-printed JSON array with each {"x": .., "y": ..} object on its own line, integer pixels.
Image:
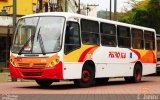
[
  {"x": 115, "y": 89},
  {"x": 149, "y": 85}
]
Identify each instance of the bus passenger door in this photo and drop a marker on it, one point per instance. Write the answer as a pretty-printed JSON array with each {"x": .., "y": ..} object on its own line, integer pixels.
[
  {"x": 72, "y": 37},
  {"x": 71, "y": 50}
]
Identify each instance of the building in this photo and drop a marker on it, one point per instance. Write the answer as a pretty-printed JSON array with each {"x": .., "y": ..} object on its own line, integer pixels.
[
  {"x": 58, "y": 5},
  {"x": 89, "y": 10},
  {"x": 50, "y": 5},
  {"x": 24, "y": 7},
  {"x": 72, "y": 6}
]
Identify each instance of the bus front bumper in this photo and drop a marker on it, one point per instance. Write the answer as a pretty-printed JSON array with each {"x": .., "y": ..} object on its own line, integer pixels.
[{"x": 29, "y": 73}]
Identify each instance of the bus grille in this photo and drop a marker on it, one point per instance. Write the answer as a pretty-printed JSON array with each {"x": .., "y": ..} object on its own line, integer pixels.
[
  {"x": 23, "y": 65},
  {"x": 32, "y": 74},
  {"x": 39, "y": 65},
  {"x": 34, "y": 65}
]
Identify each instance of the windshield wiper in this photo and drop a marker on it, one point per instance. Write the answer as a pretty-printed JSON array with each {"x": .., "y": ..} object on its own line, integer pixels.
[
  {"x": 30, "y": 38},
  {"x": 39, "y": 38}
]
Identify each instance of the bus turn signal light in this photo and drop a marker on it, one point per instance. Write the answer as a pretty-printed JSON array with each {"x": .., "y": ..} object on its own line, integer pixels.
[{"x": 53, "y": 62}]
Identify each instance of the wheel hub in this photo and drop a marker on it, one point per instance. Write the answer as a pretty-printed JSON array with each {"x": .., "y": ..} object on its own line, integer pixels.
[
  {"x": 138, "y": 75},
  {"x": 86, "y": 76}
]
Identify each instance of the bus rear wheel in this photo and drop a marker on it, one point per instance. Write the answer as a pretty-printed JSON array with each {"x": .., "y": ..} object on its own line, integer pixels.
[
  {"x": 137, "y": 74},
  {"x": 87, "y": 77},
  {"x": 44, "y": 83}
]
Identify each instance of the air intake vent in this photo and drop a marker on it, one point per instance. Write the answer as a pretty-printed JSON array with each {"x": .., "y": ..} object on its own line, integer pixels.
[
  {"x": 39, "y": 65},
  {"x": 32, "y": 73},
  {"x": 24, "y": 65},
  {"x": 35, "y": 65}
]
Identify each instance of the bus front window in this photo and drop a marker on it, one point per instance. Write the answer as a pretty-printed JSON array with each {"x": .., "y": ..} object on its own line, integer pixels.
[
  {"x": 25, "y": 29},
  {"x": 38, "y": 35}
]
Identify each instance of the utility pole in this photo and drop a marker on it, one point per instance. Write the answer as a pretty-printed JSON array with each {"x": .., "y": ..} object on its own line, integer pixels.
[
  {"x": 66, "y": 8},
  {"x": 7, "y": 45},
  {"x": 115, "y": 10},
  {"x": 106, "y": 14},
  {"x": 110, "y": 13},
  {"x": 79, "y": 7},
  {"x": 14, "y": 14},
  {"x": 14, "y": 23},
  {"x": 40, "y": 5}
]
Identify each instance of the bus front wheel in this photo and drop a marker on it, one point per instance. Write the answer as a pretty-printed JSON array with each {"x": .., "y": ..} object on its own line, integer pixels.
[
  {"x": 87, "y": 77},
  {"x": 44, "y": 83}
]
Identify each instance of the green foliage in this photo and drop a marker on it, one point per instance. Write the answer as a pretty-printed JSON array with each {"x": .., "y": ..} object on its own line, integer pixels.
[
  {"x": 144, "y": 13},
  {"x": 102, "y": 14}
]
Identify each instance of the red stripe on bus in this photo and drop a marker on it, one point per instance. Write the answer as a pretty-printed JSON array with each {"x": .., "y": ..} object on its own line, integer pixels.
[
  {"x": 137, "y": 53},
  {"x": 154, "y": 58},
  {"x": 83, "y": 55}
]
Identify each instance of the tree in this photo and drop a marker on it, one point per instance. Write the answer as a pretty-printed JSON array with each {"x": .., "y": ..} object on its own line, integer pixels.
[
  {"x": 102, "y": 14},
  {"x": 144, "y": 13},
  {"x": 128, "y": 16},
  {"x": 154, "y": 11}
]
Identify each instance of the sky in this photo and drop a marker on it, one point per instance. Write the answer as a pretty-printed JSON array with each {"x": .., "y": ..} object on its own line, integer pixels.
[{"x": 104, "y": 4}]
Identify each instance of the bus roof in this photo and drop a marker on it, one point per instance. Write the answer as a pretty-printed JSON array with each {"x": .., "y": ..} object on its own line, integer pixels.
[{"x": 72, "y": 15}]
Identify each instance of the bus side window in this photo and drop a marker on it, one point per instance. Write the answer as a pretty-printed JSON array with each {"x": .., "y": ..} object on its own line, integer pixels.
[
  {"x": 137, "y": 38},
  {"x": 124, "y": 38},
  {"x": 90, "y": 32},
  {"x": 72, "y": 37},
  {"x": 108, "y": 34},
  {"x": 149, "y": 40}
]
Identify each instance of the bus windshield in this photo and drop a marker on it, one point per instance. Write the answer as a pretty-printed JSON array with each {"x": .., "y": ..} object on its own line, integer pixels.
[{"x": 38, "y": 35}]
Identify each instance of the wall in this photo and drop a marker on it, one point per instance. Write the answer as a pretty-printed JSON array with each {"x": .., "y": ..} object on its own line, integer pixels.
[
  {"x": 92, "y": 10},
  {"x": 72, "y": 6},
  {"x": 24, "y": 7}
]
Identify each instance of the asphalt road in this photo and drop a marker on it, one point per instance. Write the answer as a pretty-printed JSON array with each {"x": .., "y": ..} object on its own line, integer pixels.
[{"x": 115, "y": 89}]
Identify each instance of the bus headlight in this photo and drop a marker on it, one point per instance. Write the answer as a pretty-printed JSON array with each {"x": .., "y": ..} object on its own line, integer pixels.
[
  {"x": 53, "y": 62},
  {"x": 12, "y": 62}
]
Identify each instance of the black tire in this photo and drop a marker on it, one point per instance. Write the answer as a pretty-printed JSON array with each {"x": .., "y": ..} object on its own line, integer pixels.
[
  {"x": 128, "y": 79},
  {"x": 87, "y": 78},
  {"x": 44, "y": 83},
  {"x": 101, "y": 81},
  {"x": 137, "y": 74},
  {"x": 158, "y": 73}
]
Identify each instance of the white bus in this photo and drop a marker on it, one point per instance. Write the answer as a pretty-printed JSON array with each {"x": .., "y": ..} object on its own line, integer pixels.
[{"x": 55, "y": 46}]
